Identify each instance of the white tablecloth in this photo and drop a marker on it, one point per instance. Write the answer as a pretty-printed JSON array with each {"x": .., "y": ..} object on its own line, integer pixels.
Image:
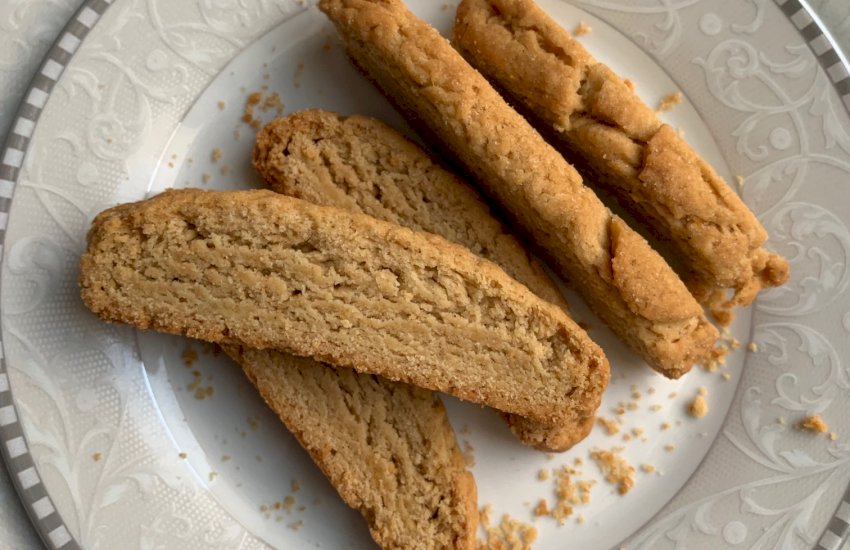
[{"x": 27, "y": 28}]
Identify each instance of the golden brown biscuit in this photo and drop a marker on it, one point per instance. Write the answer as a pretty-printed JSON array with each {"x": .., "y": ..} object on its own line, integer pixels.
[
  {"x": 598, "y": 253},
  {"x": 386, "y": 447},
  {"x": 266, "y": 271},
  {"x": 598, "y": 120}
]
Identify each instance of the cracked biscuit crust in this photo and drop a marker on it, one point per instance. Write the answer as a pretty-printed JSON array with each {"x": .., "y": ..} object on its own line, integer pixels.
[
  {"x": 598, "y": 120},
  {"x": 419, "y": 71}
]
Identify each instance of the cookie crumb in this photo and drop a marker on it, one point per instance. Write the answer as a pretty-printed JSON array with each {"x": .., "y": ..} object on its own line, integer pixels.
[
  {"x": 740, "y": 181},
  {"x": 669, "y": 101},
  {"x": 726, "y": 376},
  {"x": 216, "y": 154},
  {"x": 182, "y": 455},
  {"x": 698, "y": 407},
  {"x": 295, "y": 486},
  {"x": 669, "y": 447},
  {"x": 544, "y": 474},
  {"x": 296, "y": 525},
  {"x": 206, "y": 178},
  {"x": 542, "y": 509},
  {"x": 189, "y": 356},
  {"x": 753, "y": 347},
  {"x": 814, "y": 424},
  {"x": 647, "y": 468},
  {"x": 780, "y": 420},
  {"x": 833, "y": 436},
  {"x": 222, "y": 105},
  {"x": 616, "y": 469},
  {"x": 610, "y": 425},
  {"x": 582, "y": 29},
  {"x": 655, "y": 408},
  {"x": 96, "y": 457},
  {"x": 665, "y": 426}
]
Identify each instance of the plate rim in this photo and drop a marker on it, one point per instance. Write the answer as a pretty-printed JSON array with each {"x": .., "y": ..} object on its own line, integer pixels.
[{"x": 14, "y": 450}]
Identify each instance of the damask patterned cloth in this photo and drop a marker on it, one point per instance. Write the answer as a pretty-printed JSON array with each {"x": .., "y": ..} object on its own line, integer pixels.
[{"x": 27, "y": 29}]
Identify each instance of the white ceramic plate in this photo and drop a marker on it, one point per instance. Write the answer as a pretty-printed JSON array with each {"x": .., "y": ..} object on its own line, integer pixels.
[{"x": 101, "y": 425}]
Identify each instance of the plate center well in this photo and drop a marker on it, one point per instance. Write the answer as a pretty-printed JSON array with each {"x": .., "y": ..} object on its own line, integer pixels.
[{"x": 239, "y": 450}]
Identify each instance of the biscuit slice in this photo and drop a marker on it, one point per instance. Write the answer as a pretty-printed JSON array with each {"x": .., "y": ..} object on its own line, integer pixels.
[
  {"x": 387, "y": 447},
  {"x": 599, "y": 122},
  {"x": 267, "y": 271},
  {"x": 362, "y": 165},
  {"x": 620, "y": 276}
]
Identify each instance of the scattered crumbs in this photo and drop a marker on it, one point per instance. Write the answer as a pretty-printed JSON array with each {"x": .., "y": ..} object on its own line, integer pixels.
[
  {"x": 632, "y": 406},
  {"x": 580, "y": 519},
  {"x": 212, "y": 476},
  {"x": 468, "y": 454},
  {"x": 669, "y": 101},
  {"x": 206, "y": 177},
  {"x": 616, "y": 469},
  {"x": 647, "y": 468},
  {"x": 225, "y": 458},
  {"x": 669, "y": 447},
  {"x": 578, "y": 461},
  {"x": 510, "y": 533},
  {"x": 610, "y": 425},
  {"x": 216, "y": 154},
  {"x": 636, "y": 394},
  {"x": 542, "y": 509},
  {"x": 222, "y": 105},
  {"x": 781, "y": 420},
  {"x": 273, "y": 101},
  {"x": 726, "y": 376},
  {"x": 627, "y": 437},
  {"x": 655, "y": 408},
  {"x": 582, "y": 29},
  {"x": 295, "y": 525},
  {"x": 183, "y": 456},
  {"x": 673, "y": 394},
  {"x": 569, "y": 493},
  {"x": 544, "y": 474},
  {"x": 740, "y": 180},
  {"x": 753, "y": 347},
  {"x": 814, "y": 424},
  {"x": 295, "y": 486},
  {"x": 630, "y": 84},
  {"x": 666, "y": 426},
  {"x": 189, "y": 356},
  {"x": 833, "y": 436},
  {"x": 637, "y": 432},
  {"x": 288, "y": 503},
  {"x": 619, "y": 411},
  {"x": 96, "y": 457}
]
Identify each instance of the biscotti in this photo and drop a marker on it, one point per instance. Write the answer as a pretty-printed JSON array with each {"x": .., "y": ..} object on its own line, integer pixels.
[
  {"x": 267, "y": 271},
  {"x": 386, "y": 447},
  {"x": 599, "y": 121},
  {"x": 623, "y": 280},
  {"x": 362, "y": 165}
]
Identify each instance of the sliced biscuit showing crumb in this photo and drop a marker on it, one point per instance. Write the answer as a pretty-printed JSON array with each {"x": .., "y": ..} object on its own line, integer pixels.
[
  {"x": 386, "y": 447},
  {"x": 267, "y": 271}
]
